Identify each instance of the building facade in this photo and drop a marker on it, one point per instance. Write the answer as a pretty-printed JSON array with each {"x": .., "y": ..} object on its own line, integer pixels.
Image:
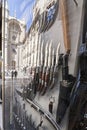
[{"x": 14, "y": 35}]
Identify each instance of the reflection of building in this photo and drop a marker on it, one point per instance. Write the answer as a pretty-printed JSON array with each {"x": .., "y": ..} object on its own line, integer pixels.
[
  {"x": 42, "y": 31},
  {"x": 14, "y": 35},
  {"x": 46, "y": 27},
  {"x": 48, "y": 24}
]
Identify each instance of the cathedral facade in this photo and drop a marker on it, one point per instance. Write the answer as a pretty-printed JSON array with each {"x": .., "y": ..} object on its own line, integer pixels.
[{"x": 15, "y": 30}]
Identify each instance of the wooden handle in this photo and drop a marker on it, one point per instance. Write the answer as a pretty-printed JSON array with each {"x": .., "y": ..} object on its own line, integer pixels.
[{"x": 65, "y": 24}]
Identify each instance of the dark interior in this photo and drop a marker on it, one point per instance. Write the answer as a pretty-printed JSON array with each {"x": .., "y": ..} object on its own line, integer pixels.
[{"x": 85, "y": 22}]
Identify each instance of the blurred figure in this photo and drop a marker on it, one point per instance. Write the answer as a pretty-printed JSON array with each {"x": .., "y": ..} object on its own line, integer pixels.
[{"x": 15, "y": 73}]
